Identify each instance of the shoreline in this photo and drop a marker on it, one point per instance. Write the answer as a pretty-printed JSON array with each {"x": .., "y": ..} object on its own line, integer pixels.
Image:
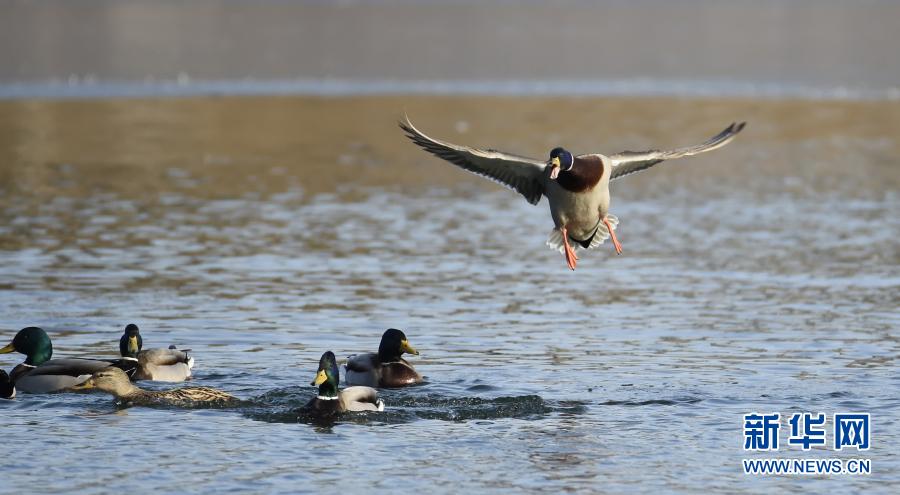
[
  {"x": 184, "y": 87},
  {"x": 222, "y": 147}
]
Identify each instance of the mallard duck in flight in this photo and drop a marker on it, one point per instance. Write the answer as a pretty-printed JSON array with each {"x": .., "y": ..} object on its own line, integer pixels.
[
  {"x": 114, "y": 381},
  {"x": 165, "y": 365},
  {"x": 331, "y": 401},
  {"x": 577, "y": 187}
]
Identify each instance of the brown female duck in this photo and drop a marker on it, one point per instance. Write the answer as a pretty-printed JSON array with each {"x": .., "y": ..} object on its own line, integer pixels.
[{"x": 114, "y": 381}]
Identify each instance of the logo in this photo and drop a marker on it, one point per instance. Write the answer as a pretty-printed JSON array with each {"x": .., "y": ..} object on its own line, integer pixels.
[
  {"x": 805, "y": 431},
  {"x": 851, "y": 430},
  {"x": 761, "y": 431},
  {"x": 813, "y": 429}
]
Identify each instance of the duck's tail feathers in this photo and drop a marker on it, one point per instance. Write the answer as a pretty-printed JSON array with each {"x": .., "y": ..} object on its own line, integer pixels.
[{"x": 555, "y": 239}]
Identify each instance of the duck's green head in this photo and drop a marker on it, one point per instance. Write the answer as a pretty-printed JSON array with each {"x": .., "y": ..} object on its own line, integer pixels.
[
  {"x": 32, "y": 342},
  {"x": 131, "y": 343},
  {"x": 328, "y": 375},
  {"x": 393, "y": 345},
  {"x": 560, "y": 161}
]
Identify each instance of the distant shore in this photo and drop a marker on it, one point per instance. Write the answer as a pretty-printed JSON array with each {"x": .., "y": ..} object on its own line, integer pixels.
[
  {"x": 798, "y": 44},
  {"x": 75, "y": 88},
  {"x": 343, "y": 144}
]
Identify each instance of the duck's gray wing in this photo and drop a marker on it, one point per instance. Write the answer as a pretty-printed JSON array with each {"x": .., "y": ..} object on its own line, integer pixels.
[
  {"x": 361, "y": 362},
  {"x": 164, "y": 365},
  {"x": 361, "y": 369},
  {"x": 164, "y": 357},
  {"x": 517, "y": 172},
  {"x": 629, "y": 162},
  {"x": 57, "y": 374},
  {"x": 361, "y": 399}
]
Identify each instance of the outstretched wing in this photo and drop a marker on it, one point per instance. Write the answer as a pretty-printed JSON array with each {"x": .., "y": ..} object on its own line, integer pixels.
[
  {"x": 517, "y": 172},
  {"x": 629, "y": 162}
]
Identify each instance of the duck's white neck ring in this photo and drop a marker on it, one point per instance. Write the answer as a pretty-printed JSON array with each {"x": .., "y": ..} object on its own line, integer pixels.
[
  {"x": 322, "y": 397},
  {"x": 126, "y": 358},
  {"x": 28, "y": 365}
]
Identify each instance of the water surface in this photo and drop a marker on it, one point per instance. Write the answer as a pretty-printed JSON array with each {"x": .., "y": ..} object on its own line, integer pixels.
[{"x": 261, "y": 232}]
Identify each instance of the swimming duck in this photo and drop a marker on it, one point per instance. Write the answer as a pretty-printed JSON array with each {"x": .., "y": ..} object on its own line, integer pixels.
[
  {"x": 7, "y": 389},
  {"x": 114, "y": 381},
  {"x": 39, "y": 374},
  {"x": 577, "y": 187},
  {"x": 385, "y": 368},
  {"x": 165, "y": 365},
  {"x": 333, "y": 401}
]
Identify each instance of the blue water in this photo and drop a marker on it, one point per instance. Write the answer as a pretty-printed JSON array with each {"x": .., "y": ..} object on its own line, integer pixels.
[{"x": 751, "y": 281}]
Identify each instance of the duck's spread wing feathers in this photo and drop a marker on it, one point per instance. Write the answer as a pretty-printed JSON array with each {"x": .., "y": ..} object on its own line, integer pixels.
[
  {"x": 517, "y": 172},
  {"x": 629, "y": 162}
]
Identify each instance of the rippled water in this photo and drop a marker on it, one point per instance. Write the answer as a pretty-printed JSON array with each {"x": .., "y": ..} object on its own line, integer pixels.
[{"x": 261, "y": 232}]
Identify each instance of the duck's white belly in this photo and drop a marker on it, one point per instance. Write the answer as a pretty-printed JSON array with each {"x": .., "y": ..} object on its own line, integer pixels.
[
  {"x": 579, "y": 213},
  {"x": 177, "y": 372}
]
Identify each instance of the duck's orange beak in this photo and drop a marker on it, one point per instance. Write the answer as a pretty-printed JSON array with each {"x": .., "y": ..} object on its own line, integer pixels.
[
  {"x": 133, "y": 345},
  {"x": 405, "y": 347},
  {"x": 321, "y": 378},
  {"x": 554, "y": 170}
]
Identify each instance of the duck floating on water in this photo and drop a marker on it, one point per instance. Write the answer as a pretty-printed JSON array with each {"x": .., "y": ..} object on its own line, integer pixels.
[
  {"x": 331, "y": 401},
  {"x": 7, "y": 389},
  {"x": 165, "y": 365},
  {"x": 40, "y": 374},
  {"x": 577, "y": 187},
  {"x": 386, "y": 368},
  {"x": 114, "y": 381}
]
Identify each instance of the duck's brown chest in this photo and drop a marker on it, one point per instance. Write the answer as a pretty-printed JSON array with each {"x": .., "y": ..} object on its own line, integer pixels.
[
  {"x": 398, "y": 374},
  {"x": 585, "y": 174}
]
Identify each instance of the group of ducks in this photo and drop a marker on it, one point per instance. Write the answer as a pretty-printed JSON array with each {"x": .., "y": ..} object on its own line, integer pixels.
[
  {"x": 42, "y": 374},
  {"x": 576, "y": 186}
]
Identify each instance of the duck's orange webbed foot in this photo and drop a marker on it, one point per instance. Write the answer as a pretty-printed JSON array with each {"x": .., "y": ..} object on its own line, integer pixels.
[
  {"x": 571, "y": 258},
  {"x": 612, "y": 234}
]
